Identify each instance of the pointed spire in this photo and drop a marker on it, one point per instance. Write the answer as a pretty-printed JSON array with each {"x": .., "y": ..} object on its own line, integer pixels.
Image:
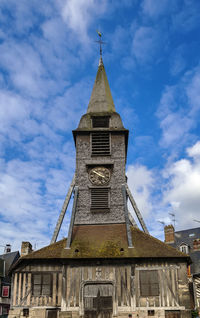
[{"x": 101, "y": 99}]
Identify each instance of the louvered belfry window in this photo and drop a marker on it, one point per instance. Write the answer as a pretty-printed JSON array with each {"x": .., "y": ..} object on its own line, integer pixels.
[
  {"x": 100, "y": 122},
  {"x": 100, "y": 143},
  {"x": 100, "y": 199}
]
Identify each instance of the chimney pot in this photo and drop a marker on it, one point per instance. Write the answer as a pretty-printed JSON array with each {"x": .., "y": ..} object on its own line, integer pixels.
[{"x": 7, "y": 248}]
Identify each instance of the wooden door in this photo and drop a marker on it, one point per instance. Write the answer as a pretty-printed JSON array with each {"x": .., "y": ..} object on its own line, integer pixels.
[
  {"x": 51, "y": 313},
  {"x": 172, "y": 314},
  {"x": 98, "y": 300}
]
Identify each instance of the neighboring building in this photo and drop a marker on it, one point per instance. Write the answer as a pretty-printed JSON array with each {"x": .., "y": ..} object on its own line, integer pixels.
[
  {"x": 106, "y": 267},
  {"x": 188, "y": 242},
  {"x": 7, "y": 260}
]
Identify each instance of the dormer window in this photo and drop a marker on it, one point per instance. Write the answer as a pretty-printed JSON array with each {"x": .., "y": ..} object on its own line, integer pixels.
[
  {"x": 100, "y": 122},
  {"x": 184, "y": 248}
]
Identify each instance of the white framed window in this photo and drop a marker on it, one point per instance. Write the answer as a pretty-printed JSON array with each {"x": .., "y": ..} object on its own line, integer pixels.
[{"x": 184, "y": 248}]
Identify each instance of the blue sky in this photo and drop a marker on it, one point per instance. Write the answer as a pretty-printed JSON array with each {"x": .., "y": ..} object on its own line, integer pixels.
[{"x": 48, "y": 62}]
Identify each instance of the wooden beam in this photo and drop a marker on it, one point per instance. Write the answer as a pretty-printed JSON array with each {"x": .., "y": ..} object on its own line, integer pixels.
[
  {"x": 128, "y": 230},
  {"x": 69, "y": 238},
  {"x": 63, "y": 211},
  {"x": 131, "y": 219},
  {"x": 137, "y": 211}
]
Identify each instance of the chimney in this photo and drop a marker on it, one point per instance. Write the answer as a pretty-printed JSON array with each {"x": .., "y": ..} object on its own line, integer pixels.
[
  {"x": 7, "y": 249},
  {"x": 169, "y": 234},
  {"x": 196, "y": 245},
  {"x": 26, "y": 248}
]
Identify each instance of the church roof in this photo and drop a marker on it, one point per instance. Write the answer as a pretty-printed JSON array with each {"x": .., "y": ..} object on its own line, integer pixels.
[
  {"x": 101, "y": 100},
  {"x": 107, "y": 241}
]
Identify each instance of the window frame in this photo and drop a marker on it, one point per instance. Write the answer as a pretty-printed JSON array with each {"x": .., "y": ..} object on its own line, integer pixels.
[
  {"x": 184, "y": 248},
  {"x": 147, "y": 289},
  {"x": 42, "y": 284}
]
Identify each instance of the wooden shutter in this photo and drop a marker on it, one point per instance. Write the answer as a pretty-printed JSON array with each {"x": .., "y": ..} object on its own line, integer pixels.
[
  {"x": 149, "y": 284},
  {"x": 100, "y": 122},
  {"x": 100, "y": 143},
  {"x": 99, "y": 199},
  {"x": 42, "y": 284},
  {"x": 46, "y": 284},
  {"x": 37, "y": 281}
]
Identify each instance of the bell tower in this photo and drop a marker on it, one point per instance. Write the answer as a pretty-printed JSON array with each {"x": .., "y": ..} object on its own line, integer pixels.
[
  {"x": 101, "y": 146},
  {"x": 99, "y": 184}
]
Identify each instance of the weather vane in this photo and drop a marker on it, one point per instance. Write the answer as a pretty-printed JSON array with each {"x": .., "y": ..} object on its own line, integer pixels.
[{"x": 100, "y": 41}]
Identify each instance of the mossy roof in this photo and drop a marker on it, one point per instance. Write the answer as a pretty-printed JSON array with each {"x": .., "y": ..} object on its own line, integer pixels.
[{"x": 106, "y": 241}]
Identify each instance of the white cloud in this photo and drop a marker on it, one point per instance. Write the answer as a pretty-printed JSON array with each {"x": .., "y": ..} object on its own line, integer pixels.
[
  {"x": 31, "y": 195},
  {"x": 155, "y": 8},
  {"x": 182, "y": 192},
  {"x": 186, "y": 17},
  {"x": 26, "y": 70},
  {"x": 141, "y": 183},
  {"x": 177, "y": 61},
  {"x": 24, "y": 15},
  {"x": 15, "y": 113},
  {"x": 78, "y": 14},
  {"x": 194, "y": 151},
  {"x": 68, "y": 108},
  {"x": 179, "y": 110},
  {"x": 146, "y": 42}
]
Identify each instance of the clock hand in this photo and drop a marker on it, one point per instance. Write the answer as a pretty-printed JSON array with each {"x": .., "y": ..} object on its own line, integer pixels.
[{"x": 99, "y": 174}]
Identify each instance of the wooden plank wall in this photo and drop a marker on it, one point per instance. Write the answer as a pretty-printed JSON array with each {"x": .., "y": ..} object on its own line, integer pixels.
[
  {"x": 168, "y": 287},
  {"x": 22, "y": 287},
  {"x": 67, "y": 282},
  {"x": 120, "y": 277}
]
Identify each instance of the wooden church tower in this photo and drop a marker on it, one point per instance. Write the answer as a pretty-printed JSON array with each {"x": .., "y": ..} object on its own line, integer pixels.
[{"x": 106, "y": 267}]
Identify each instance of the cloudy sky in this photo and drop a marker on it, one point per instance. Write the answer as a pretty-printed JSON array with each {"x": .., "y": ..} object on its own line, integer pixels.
[{"x": 48, "y": 62}]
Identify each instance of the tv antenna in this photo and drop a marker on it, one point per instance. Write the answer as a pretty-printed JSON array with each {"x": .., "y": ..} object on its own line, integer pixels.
[
  {"x": 173, "y": 218},
  {"x": 162, "y": 222},
  {"x": 196, "y": 221}
]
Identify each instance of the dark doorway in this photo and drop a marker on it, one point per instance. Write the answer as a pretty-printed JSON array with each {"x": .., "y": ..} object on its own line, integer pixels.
[
  {"x": 51, "y": 313},
  {"x": 98, "y": 300}
]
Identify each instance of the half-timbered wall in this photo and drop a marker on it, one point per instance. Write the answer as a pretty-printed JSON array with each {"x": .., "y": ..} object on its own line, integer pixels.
[
  {"x": 197, "y": 290},
  {"x": 23, "y": 295},
  {"x": 72, "y": 287}
]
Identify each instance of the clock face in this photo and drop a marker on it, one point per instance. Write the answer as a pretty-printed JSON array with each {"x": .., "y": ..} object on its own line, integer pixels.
[{"x": 99, "y": 175}]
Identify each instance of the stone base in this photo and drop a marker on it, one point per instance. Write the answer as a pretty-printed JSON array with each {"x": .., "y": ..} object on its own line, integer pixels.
[
  {"x": 65, "y": 314},
  {"x": 41, "y": 313},
  {"x": 33, "y": 313}
]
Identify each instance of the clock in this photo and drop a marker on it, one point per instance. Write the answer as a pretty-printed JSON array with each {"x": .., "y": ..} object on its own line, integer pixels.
[{"x": 99, "y": 175}]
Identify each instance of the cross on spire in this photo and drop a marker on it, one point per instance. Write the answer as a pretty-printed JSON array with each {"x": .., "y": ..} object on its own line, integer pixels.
[{"x": 100, "y": 42}]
